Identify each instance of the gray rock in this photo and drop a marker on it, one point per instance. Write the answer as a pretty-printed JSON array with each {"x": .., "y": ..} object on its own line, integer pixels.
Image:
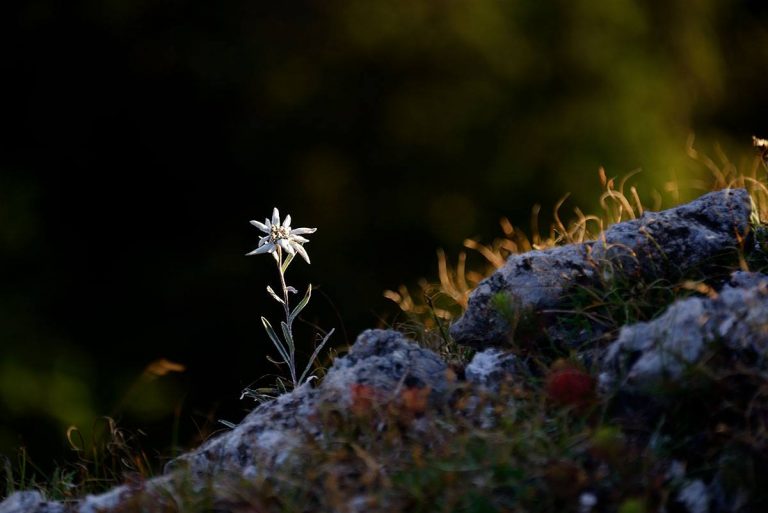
[
  {"x": 29, "y": 502},
  {"x": 528, "y": 282},
  {"x": 668, "y": 244},
  {"x": 269, "y": 436},
  {"x": 384, "y": 360},
  {"x": 744, "y": 280},
  {"x": 694, "y": 496},
  {"x": 491, "y": 367},
  {"x": 156, "y": 494},
  {"x": 263, "y": 440},
  {"x": 647, "y": 353},
  {"x": 487, "y": 372}
]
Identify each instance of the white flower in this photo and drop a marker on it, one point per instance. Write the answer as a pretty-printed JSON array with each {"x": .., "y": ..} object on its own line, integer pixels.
[{"x": 289, "y": 239}]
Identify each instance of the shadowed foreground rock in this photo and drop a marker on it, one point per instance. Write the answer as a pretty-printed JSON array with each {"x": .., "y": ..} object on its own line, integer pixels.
[
  {"x": 700, "y": 354},
  {"x": 383, "y": 361},
  {"x": 648, "y": 354},
  {"x": 668, "y": 244}
]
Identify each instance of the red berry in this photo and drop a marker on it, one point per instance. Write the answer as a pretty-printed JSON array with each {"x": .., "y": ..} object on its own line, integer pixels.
[{"x": 570, "y": 387}]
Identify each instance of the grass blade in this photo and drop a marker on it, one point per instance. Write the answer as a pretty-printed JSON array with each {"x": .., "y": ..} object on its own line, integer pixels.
[
  {"x": 314, "y": 355},
  {"x": 288, "y": 337}
]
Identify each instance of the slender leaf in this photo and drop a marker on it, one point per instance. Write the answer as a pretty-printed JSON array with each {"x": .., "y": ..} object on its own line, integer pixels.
[
  {"x": 288, "y": 336},
  {"x": 292, "y": 290},
  {"x": 301, "y": 305},
  {"x": 275, "y": 340},
  {"x": 275, "y": 296},
  {"x": 315, "y": 353}
]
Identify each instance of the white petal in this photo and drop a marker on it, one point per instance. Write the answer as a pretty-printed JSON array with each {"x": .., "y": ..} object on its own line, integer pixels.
[
  {"x": 286, "y": 246},
  {"x": 268, "y": 248},
  {"x": 275, "y": 217},
  {"x": 263, "y": 240},
  {"x": 267, "y": 223},
  {"x": 303, "y": 231},
  {"x": 287, "y": 222},
  {"x": 297, "y": 238},
  {"x": 301, "y": 251},
  {"x": 260, "y": 226}
]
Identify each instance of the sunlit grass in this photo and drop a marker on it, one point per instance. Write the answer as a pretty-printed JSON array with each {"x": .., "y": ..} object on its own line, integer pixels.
[
  {"x": 108, "y": 456},
  {"x": 619, "y": 200}
]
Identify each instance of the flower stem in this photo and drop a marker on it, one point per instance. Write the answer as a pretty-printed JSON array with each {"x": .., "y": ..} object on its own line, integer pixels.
[{"x": 288, "y": 320}]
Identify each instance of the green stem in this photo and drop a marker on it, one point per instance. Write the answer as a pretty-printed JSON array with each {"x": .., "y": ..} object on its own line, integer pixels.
[{"x": 288, "y": 321}]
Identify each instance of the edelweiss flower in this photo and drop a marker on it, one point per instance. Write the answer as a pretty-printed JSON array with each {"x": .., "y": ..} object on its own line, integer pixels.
[{"x": 288, "y": 239}]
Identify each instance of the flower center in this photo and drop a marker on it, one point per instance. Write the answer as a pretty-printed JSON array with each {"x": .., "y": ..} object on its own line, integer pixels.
[{"x": 277, "y": 233}]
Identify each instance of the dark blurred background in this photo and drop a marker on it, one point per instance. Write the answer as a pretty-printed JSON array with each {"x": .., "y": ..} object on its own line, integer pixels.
[{"x": 141, "y": 136}]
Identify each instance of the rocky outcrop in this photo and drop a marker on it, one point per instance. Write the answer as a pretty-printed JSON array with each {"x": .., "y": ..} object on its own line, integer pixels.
[
  {"x": 382, "y": 363},
  {"x": 382, "y": 366},
  {"x": 701, "y": 364},
  {"x": 648, "y": 354},
  {"x": 384, "y": 372},
  {"x": 669, "y": 244}
]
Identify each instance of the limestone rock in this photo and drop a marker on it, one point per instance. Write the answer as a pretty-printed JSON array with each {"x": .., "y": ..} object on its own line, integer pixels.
[
  {"x": 668, "y": 244},
  {"x": 381, "y": 359},
  {"x": 491, "y": 367},
  {"x": 29, "y": 502},
  {"x": 647, "y": 353},
  {"x": 267, "y": 438},
  {"x": 385, "y": 360}
]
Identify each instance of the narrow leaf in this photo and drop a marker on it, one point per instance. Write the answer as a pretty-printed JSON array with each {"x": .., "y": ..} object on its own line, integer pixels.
[
  {"x": 275, "y": 296},
  {"x": 291, "y": 289},
  {"x": 301, "y": 305},
  {"x": 227, "y": 423},
  {"x": 275, "y": 340},
  {"x": 287, "y": 336}
]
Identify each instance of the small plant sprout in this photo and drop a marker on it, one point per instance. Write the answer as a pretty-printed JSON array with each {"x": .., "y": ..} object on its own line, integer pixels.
[{"x": 284, "y": 243}]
